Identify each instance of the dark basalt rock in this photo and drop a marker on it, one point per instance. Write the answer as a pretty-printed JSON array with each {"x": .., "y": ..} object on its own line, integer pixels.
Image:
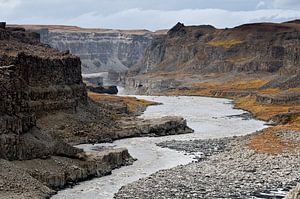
[
  {"x": 2, "y": 25},
  {"x": 177, "y": 30},
  {"x": 34, "y": 81},
  {"x": 104, "y": 89},
  {"x": 263, "y": 47}
]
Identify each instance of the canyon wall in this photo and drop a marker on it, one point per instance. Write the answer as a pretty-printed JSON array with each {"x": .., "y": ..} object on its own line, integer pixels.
[
  {"x": 261, "y": 48},
  {"x": 100, "y": 50},
  {"x": 35, "y": 80},
  {"x": 264, "y": 47}
]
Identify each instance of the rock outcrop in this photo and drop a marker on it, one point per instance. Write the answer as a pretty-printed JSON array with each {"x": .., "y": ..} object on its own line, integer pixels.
[
  {"x": 153, "y": 128},
  {"x": 285, "y": 97},
  {"x": 103, "y": 89},
  {"x": 34, "y": 80}
]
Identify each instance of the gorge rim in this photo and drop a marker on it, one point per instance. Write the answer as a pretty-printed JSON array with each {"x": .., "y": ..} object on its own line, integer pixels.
[{"x": 210, "y": 110}]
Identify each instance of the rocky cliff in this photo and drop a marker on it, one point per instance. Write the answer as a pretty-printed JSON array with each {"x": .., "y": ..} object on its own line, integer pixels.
[
  {"x": 37, "y": 82},
  {"x": 44, "y": 110},
  {"x": 189, "y": 51},
  {"x": 263, "y": 47},
  {"x": 100, "y": 50}
]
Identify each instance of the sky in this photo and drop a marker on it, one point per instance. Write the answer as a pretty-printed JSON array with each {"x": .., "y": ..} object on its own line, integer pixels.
[{"x": 147, "y": 14}]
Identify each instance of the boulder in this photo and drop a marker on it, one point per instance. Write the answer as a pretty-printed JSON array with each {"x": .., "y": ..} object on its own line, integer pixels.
[{"x": 104, "y": 89}]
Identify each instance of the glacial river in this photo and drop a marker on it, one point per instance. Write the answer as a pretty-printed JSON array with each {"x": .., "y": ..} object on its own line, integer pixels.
[{"x": 209, "y": 117}]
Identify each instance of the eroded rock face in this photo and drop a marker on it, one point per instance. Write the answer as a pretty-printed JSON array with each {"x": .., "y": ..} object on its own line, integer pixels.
[
  {"x": 263, "y": 48},
  {"x": 35, "y": 80},
  {"x": 254, "y": 47},
  {"x": 37, "y": 83},
  {"x": 100, "y": 50},
  {"x": 153, "y": 128}
]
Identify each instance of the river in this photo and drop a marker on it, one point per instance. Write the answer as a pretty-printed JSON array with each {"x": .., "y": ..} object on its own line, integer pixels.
[{"x": 209, "y": 117}]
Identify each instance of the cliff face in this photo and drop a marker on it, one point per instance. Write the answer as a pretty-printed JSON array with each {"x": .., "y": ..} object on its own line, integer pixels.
[
  {"x": 189, "y": 51},
  {"x": 35, "y": 80},
  {"x": 100, "y": 50},
  {"x": 264, "y": 47}
]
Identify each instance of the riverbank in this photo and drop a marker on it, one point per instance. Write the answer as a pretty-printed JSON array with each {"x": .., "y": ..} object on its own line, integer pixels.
[
  {"x": 211, "y": 118},
  {"x": 226, "y": 168},
  {"x": 245, "y": 168}
]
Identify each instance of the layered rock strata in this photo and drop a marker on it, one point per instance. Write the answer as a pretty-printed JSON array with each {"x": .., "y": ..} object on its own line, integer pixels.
[
  {"x": 100, "y": 50},
  {"x": 35, "y": 82},
  {"x": 187, "y": 51}
]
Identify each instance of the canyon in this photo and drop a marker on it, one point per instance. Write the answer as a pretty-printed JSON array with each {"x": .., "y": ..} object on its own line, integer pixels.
[{"x": 45, "y": 109}]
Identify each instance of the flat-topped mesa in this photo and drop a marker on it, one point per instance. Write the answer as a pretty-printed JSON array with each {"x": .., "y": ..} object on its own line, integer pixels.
[{"x": 34, "y": 80}]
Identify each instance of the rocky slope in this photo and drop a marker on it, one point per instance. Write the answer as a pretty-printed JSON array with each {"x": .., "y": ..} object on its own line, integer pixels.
[
  {"x": 186, "y": 51},
  {"x": 100, "y": 50}
]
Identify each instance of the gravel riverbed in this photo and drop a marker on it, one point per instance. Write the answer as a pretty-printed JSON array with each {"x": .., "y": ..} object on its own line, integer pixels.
[{"x": 226, "y": 168}]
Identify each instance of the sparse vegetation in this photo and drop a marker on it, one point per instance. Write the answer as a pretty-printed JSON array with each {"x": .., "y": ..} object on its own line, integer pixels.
[
  {"x": 271, "y": 142},
  {"x": 133, "y": 104},
  {"x": 269, "y": 91},
  {"x": 237, "y": 59},
  {"x": 263, "y": 111},
  {"x": 225, "y": 43},
  {"x": 294, "y": 89}
]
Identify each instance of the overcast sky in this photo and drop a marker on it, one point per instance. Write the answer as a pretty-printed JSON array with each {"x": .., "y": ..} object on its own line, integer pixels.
[{"x": 147, "y": 14}]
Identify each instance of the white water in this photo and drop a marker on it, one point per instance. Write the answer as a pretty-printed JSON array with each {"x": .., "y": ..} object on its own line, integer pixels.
[{"x": 207, "y": 116}]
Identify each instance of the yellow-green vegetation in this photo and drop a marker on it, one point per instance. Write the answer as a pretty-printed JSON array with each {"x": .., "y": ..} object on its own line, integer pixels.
[
  {"x": 133, "y": 104},
  {"x": 225, "y": 43},
  {"x": 269, "y": 91},
  {"x": 294, "y": 89},
  {"x": 237, "y": 59},
  {"x": 248, "y": 84},
  {"x": 261, "y": 111},
  {"x": 270, "y": 142},
  {"x": 234, "y": 85}
]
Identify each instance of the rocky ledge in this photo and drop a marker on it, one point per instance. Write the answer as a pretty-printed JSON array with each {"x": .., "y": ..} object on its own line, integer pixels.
[
  {"x": 38, "y": 178},
  {"x": 155, "y": 127},
  {"x": 230, "y": 170}
]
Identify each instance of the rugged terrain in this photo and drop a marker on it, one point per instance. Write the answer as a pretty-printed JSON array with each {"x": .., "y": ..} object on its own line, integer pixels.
[
  {"x": 256, "y": 65},
  {"x": 226, "y": 168},
  {"x": 204, "y": 54},
  {"x": 100, "y": 50},
  {"x": 45, "y": 109}
]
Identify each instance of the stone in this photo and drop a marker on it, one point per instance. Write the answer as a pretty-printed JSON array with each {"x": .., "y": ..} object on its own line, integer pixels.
[
  {"x": 294, "y": 193},
  {"x": 2, "y": 25}
]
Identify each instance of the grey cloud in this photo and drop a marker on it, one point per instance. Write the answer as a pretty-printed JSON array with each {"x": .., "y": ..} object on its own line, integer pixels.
[
  {"x": 156, "y": 19},
  {"x": 150, "y": 14},
  {"x": 290, "y": 4}
]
